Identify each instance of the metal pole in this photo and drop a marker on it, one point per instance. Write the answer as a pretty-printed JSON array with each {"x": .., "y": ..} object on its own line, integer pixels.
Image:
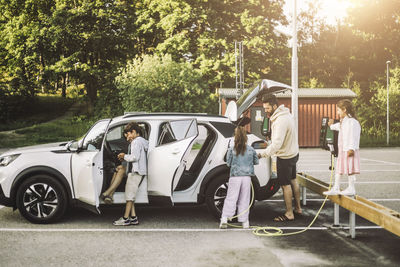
[
  {"x": 387, "y": 102},
  {"x": 352, "y": 224},
  {"x": 295, "y": 68},
  {"x": 236, "y": 68},
  {"x": 241, "y": 68},
  {"x": 304, "y": 195},
  {"x": 336, "y": 217}
]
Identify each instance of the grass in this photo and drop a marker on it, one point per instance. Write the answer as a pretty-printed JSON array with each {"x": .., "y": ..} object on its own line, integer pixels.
[
  {"x": 379, "y": 141},
  {"x": 54, "y": 131},
  {"x": 41, "y": 109},
  {"x": 41, "y": 125}
]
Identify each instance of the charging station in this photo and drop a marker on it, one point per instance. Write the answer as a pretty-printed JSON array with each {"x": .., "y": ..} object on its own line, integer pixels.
[{"x": 328, "y": 139}]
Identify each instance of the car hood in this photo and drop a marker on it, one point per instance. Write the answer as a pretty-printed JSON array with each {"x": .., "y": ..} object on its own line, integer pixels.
[
  {"x": 235, "y": 109},
  {"x": 59, "y": 146}
]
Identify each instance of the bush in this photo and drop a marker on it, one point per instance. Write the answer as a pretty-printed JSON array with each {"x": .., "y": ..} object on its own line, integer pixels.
[
  {"x": 372, "y": 112},
  {"x": 158, "y": 84}
]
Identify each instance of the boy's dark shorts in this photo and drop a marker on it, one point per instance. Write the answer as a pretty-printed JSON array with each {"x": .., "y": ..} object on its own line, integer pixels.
[{"x": 286, "y": 170}]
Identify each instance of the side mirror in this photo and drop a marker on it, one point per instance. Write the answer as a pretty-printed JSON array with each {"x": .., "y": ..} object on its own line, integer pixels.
[
  {"x": 73, "y": 146},
  {"x": 265, "y": 129}
]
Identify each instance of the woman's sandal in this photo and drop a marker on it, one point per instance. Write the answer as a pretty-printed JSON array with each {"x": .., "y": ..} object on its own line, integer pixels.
[
  {"x": 297, "y": 213},
  {"x": 107, "y": 199},
  {"x": 282, "y": 218}
]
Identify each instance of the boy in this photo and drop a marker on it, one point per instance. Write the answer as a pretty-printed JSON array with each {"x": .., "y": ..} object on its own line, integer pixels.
[{"x": 136, "y": 169}]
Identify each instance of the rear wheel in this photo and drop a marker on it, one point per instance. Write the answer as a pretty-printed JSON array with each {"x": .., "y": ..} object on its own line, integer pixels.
[
  {"x": 216, "y": 194},
  {"x": 41, "y": 199}
]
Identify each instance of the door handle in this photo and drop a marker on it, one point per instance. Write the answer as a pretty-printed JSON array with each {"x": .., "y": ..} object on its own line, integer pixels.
[{"x": 176, "y": 151}]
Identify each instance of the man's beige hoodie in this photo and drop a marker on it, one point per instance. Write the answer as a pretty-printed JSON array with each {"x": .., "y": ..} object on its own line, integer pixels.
[{"x": 284, "y": 137}]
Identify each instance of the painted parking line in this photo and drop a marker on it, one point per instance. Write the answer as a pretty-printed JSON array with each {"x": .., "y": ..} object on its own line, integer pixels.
[
  {"x": 381, "y": 161},
  {"x": 369, "y": 182},
  {"x": 322, "y": 171},
  {"x": 322, "y": 199},
  {"x": 327, "y": 165},
  {"x": 127, "y": 229}
]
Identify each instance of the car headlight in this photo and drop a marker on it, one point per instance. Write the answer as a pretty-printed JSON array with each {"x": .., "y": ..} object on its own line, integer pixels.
[{"x": 4, "y": 161}]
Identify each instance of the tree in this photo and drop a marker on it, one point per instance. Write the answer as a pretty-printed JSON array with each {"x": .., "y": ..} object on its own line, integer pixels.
[
  {"x": 92, "y": 40},
  {"x": 43, "y": 42},
  {"x": 203, "y": 32},
  {"x": 159, "y": 84}
]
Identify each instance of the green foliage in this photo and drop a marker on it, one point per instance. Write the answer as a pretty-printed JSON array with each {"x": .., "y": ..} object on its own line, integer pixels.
[
  {"x": 48, "y": 44},
  {"x": 374, "y": 118},
  {"x": 204, "y": 32},
  {"x": 17, "y": 112},
  {"x": 55, "y": 131},
  {"x": 158, "y": 84},
  {"x": 312, "y": 83}
]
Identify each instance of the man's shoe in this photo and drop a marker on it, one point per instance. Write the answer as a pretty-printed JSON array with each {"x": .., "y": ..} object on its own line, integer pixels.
[
  {"x": 246, "y": 225},
  {"x": 332, "y": 192},
  {"x": 134, "y": 220},
  {"x": 122, "y": 222},
  {"x": 224, "y": 223}
]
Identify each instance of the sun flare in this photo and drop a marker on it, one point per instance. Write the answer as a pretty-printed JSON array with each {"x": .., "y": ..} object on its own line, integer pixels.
[{"x": 331, "y": 10}]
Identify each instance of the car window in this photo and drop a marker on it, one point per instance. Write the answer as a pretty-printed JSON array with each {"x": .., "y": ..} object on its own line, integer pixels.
[
  {"x": 183, "y": 129},
  {"x": 115, "y": 134},
  {"x": 226, "y": 129},
  {"x": 176, "y": 130},
  {"x": 94, "y": 138}
]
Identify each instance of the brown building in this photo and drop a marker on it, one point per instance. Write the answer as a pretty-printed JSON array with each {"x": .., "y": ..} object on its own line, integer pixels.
[{"x": 314, "y": 104}]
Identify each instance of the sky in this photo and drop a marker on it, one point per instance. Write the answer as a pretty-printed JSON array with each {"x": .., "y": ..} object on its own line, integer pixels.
[{"x": 330, "y": 9}]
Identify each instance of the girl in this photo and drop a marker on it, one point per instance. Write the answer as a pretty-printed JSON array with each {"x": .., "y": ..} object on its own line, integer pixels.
[
  {"x": 348, "y": 161},
  {"x": 241, "y": 159}
]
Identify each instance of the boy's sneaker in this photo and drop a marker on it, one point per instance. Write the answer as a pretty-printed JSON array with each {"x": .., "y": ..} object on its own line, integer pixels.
[
  {"x": 133, "y": 220},
  {"x": 122, "y": 222},
  {"x": 245, "y": 225},
  {"x": 224, "y": 223}
]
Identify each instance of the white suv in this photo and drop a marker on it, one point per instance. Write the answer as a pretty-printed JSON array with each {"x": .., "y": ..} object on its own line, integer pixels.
[{"x": 186, "y": 164}]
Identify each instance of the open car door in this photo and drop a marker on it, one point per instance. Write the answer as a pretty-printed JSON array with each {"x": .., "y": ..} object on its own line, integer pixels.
[
  {"x": 167, "y": 161},
  {"x": 87, "y": 167},
  {"x": 235, "y": 110}
]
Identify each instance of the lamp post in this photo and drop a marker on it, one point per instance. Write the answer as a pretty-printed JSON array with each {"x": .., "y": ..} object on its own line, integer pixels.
[
  {"x": 295, "y": 68},
  {"x": 387, "y": 102}
]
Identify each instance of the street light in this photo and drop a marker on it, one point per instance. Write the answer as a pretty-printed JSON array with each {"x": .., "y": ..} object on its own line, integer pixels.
[
  {"x": 295, "y": 68},
  {"x": 387, "y": 102}
]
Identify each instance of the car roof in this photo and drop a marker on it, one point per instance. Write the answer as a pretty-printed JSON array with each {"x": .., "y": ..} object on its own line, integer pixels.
[{"x": 170, "y": 116}]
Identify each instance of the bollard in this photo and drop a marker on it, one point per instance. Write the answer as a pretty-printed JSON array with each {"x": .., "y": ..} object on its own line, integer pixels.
[
  {"x": 336, "y": 222},
  {"x": 304, "y": 195},
  {"x": 352, "y": 224}
]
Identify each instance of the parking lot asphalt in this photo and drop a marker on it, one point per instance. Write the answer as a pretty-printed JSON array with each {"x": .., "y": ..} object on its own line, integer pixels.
[{"x": 189, "y": 236}]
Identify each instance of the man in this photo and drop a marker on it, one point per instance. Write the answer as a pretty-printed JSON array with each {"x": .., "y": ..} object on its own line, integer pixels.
[
  {"x": 285, "y": 146},
  {"x": 137, "y": 170}
]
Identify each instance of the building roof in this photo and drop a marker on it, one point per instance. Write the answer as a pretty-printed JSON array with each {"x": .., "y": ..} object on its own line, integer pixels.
[{"x": 302, "y": 93}]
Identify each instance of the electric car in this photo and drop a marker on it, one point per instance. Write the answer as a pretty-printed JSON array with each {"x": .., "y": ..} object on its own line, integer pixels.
[{"x": 186, "y": 164}]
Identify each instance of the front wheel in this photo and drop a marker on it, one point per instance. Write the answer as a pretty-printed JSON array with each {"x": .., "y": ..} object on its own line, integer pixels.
[
  {"x": 41, "y": 199},
  {"x": 216, "y": 194}
]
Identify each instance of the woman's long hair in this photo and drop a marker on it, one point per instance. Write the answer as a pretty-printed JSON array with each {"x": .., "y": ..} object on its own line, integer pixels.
[
  {"x": 240, "y": 140},
  {"x": 346, "y": 104}
]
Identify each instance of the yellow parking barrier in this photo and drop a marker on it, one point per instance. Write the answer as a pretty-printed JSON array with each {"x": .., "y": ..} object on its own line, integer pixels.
[{"x": 371, "y": 211}]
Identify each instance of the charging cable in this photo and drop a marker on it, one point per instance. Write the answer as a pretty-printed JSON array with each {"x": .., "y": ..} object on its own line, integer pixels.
[{"x": 275, "y": 231}]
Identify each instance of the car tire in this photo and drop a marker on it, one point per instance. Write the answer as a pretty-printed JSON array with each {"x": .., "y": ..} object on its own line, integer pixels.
[
  {"x": 216, "y": 194},
  {"x": 42, "y": 199}
]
